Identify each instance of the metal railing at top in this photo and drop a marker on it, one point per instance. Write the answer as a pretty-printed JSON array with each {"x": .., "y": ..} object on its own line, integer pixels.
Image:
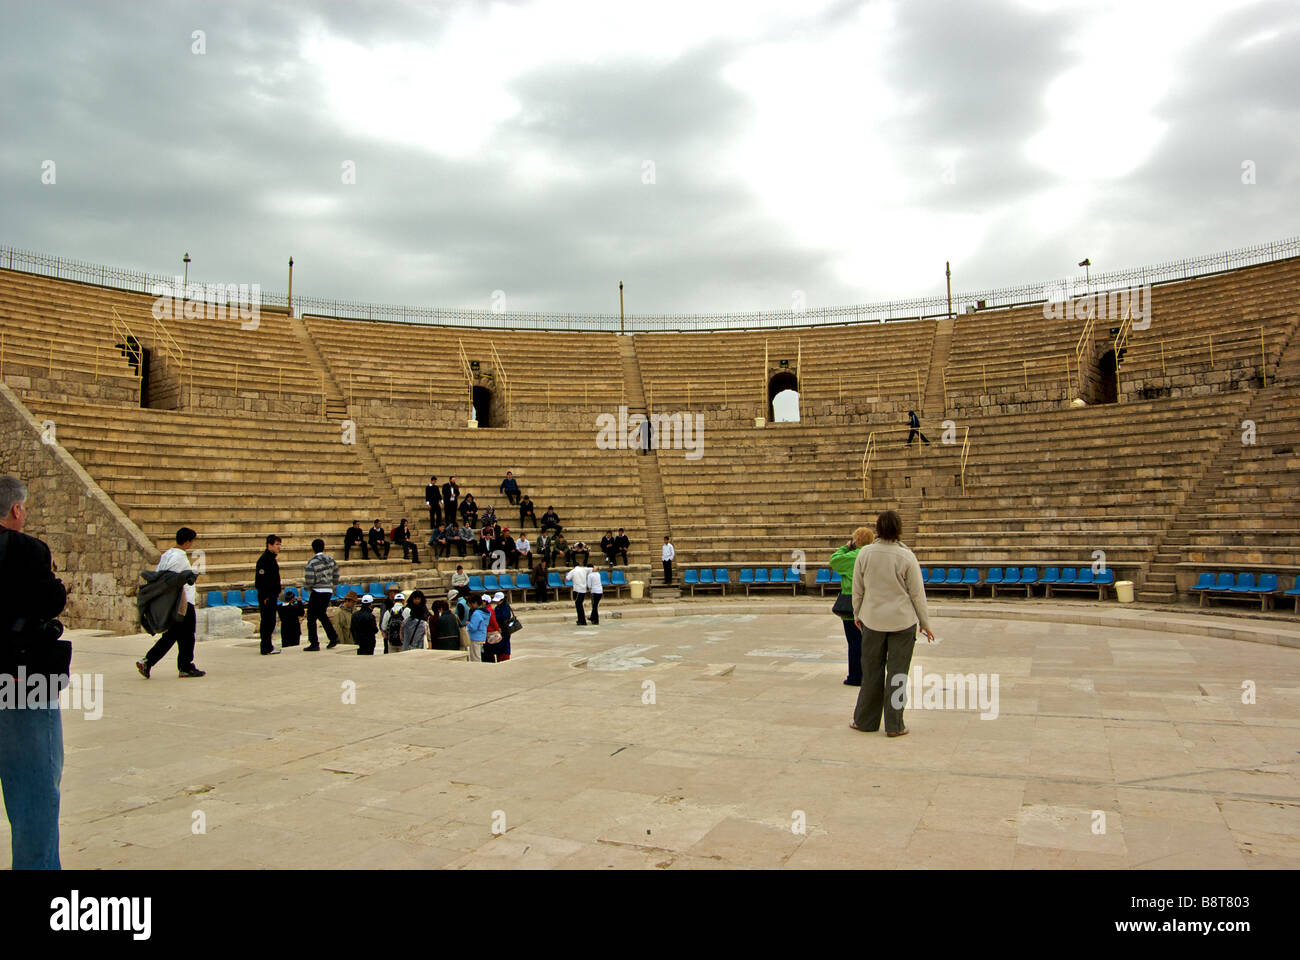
[{"x": 877, "y": 312}]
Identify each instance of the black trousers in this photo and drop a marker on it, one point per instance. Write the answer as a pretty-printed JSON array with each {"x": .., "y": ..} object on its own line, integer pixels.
[
  {"x": 449, "y": 511},
  {"x": 595, "y": 605},
  {"x": 410, "y": 551},
  {"x": 527, "y": 516},
  {"x": 435, "y": 513},
  {"x": 580, "y": 601},
  {"x": 266, "y": 607},
  {"x": 381, "y": 550},
  {"x": 886, "y": 659},
  {"x": 180, "y": 633},
  {"x": 914, "y": 432},
  {"x": 854, "y": 637},
  {"x": 365, "y": 553},
  {"x": 668, "y": 571},
  {"x": 460, "y": 548},
  {"x": 318, "y": 608},
  {"x": 512, "y": 497}
]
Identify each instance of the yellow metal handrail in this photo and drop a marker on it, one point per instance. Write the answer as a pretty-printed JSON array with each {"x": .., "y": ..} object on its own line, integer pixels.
[
  {"x": 500, "y": 367},
  {"x": 1084, "y": 344},
  {"x": 867, "y": 455},
  {"x": 1120, "y": 345},
  {"x": 965, "y": 455}
]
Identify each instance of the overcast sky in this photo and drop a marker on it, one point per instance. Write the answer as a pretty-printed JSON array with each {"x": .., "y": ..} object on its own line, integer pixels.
[{"x": 713, "y": 156}]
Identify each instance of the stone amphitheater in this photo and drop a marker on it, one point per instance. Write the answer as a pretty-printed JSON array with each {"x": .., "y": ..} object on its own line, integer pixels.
[{"x": 700, "y": 725}]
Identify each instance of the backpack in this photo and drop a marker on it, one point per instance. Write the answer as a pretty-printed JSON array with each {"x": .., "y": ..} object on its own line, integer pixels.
[{"x": 394, "y": 632}]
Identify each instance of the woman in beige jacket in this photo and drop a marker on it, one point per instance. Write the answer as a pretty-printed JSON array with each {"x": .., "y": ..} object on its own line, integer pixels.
[{"x": 888, "y": 603}]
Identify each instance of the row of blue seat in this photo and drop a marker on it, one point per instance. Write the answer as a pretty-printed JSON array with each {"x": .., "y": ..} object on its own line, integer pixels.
[{"x": 1244, "y": 584}]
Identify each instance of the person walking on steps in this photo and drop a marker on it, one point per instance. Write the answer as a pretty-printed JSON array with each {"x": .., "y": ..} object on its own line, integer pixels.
[{"x": 914, "y": 422}]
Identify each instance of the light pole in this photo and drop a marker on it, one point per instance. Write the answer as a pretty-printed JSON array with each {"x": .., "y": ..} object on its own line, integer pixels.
[
  {"x": 947, "y": 272},
  {"x": 1087, "y": 273},
  {"x": 186, "y": 260},
  {"x": 620, "y": 307},
  {"x": 289, "y": 303}
]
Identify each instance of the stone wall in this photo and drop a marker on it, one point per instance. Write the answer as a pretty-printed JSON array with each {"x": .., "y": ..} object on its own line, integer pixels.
[{"x": 98, "y": 552}]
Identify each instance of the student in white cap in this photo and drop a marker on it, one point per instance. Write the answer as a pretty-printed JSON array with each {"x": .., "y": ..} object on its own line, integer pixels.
[
  {"x": 390, "y": 624},
  {"x": 364, "y": 627},
  {"x": 597, "y": 590},
  {"x": 499, "y": 652}
]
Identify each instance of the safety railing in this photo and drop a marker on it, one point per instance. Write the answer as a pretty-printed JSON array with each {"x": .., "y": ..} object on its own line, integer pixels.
[
  {"x": 876, "y": 312},
  {"x": 867, "y": 454},
  {"x": 965, "y": 456},
  {"x": 499, "y": 366},
  {"x": 1168, "y": 348},
  {"x": 1083, "y": 346}
]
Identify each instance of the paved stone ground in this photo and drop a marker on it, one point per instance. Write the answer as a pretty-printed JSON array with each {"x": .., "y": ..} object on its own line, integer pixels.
[{"x": 743, "y": 759}]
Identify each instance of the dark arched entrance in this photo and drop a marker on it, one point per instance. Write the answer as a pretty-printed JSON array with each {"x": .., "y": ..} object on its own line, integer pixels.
[
  {"x": 483, "y": 406},
  {"x": 1108, "y": 378},
  {"x": 779, "y": 384}
]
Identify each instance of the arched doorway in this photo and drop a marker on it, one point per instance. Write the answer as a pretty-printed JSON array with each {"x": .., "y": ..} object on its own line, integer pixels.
[
  {"x": 483, "y": 406},
  {"x": 1108, "y": 378},
  {"x": 783, "y": 398}
]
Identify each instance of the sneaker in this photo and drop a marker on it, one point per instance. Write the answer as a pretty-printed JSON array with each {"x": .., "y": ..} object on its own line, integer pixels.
[
  {"x": 194, "y": 672},
  {"x": 267, "y": 653},
  {"x": 852, "y": 683},
  {"x": 312, "y": 648},
  {"x": 331, "y": 645},
  {"x": 143, "y": 668}
]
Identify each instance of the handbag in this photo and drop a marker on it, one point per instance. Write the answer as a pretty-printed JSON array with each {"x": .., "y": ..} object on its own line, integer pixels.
[
  {"x": 515, "y": 625},
  {"x": 494, "y": 637},
  {"x": 843, "y": 605}
]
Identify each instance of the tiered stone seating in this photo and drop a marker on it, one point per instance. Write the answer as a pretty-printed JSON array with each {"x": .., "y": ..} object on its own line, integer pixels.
[
  {"x": 849, "y": 373},
  {"x": 386, "y": 369},
  {"x": 1205, "y": 334},
  {"x": 1012, "y": 356},
  {"x": 49, "y": 346},
  {"x": 1252, "y": 519},
  {"x": 1054, "y": 489},
  {"x": 233, "y": 479},
  {"x": 592, "y": 490},
  {"x": 224, "y": 365}
]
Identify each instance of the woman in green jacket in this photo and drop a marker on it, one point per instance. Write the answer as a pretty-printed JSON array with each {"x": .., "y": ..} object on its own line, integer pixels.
[{"x": 842, "y": 563}]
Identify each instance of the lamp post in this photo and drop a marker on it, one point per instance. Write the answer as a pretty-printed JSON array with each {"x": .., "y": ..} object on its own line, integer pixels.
[
  {"x": 947, "y": 272},
  {"x": 186, "y": 260},
  {"x": 289, "y": 299},
  {"x": 620, "y": 307},
  {"x": 1087, "y": 273}
]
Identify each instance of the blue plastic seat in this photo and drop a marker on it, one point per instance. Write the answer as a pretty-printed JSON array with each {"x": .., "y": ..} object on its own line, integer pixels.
[
  {"x": 1223, "y": 581},
  {"x": 994, "y": 575},
  {"x": 837, "y": 577},
  {"x": 793, "y": 576},
  {"x": 250, "y": 599},
  {"x": 954, "y": 575},
  {"x": 1028, "y": 576},
  {"x": 216, "y": 598},
  {"x": 936, "y": 575},
  {"x": 971, "y": 577},
  {"x": 746, "y": 575},
  {"x": 1245, "y": 583},
  {"x": 1051, "y": 575},
  {"x": 506, "y": 582},
  {"x": 552, "y": 580},
  {"x": 605, "y": 580},
  {"x": 823, "y": 575},
  {"x": 525, "y": 582},
  {"x": 720, "y": 575},
  {"x": 490, "y": 582},
  {"x": 777, "y": 575},
  {"x": 925, "y": 574},
  {"x": 1295, "y": 590},
  {"x": 1085, "y": 576},
  {"x": 760, "y": 575},
  {"x": 1107, "y": 577},
  {"x": 1011, "y": 575},
  {"x": 476, "y": 583},
  {"x": 692, "y": 576},
  {"x": 618, "y": 579},
  {"x": 1267, "y": 583},
  {"x": 1205, "y": 582},
  {"x": 1067, "y": 575},
  {"x": 234, "y": 598},
  {"x": 706, "y": 576}
]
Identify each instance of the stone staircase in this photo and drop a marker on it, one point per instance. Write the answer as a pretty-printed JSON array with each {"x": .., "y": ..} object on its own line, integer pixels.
[
  {"x": 934, "y": 406},
  {"x": 1160, "y": 584},
  {"x": 1288, "y": 363},
  {"x": 652, "y": 488},
  {"x": 336, "y": 410}
]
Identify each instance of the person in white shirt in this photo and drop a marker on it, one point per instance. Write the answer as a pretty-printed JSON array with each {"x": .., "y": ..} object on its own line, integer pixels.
[
  {"x": 180, "y": 633},
  {"x": 669, "y": 555},
  {"x": 597, "y": 590},
  {"x": 525, "y": 550},
  {"x": 578, "y": 577}
]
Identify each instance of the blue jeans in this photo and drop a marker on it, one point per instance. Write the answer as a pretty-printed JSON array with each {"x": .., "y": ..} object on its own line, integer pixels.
[{"x": 31, "y": 766}]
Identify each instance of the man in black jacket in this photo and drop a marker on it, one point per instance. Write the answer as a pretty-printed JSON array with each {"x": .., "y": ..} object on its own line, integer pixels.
[
  {"x": 450, "y": 499},
  {"x": 267, "y": 582},
  {"x": 621, "y": 544},
  {"x": 31, "y": 740},
  {"x": 433, "y": 500},
  {"x": 378, "y": 539},
  {"x": 355, "y": 537}
]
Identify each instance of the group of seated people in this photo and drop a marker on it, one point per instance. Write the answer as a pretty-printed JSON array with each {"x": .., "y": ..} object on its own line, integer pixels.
[{"x": 492, "y": 539}]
